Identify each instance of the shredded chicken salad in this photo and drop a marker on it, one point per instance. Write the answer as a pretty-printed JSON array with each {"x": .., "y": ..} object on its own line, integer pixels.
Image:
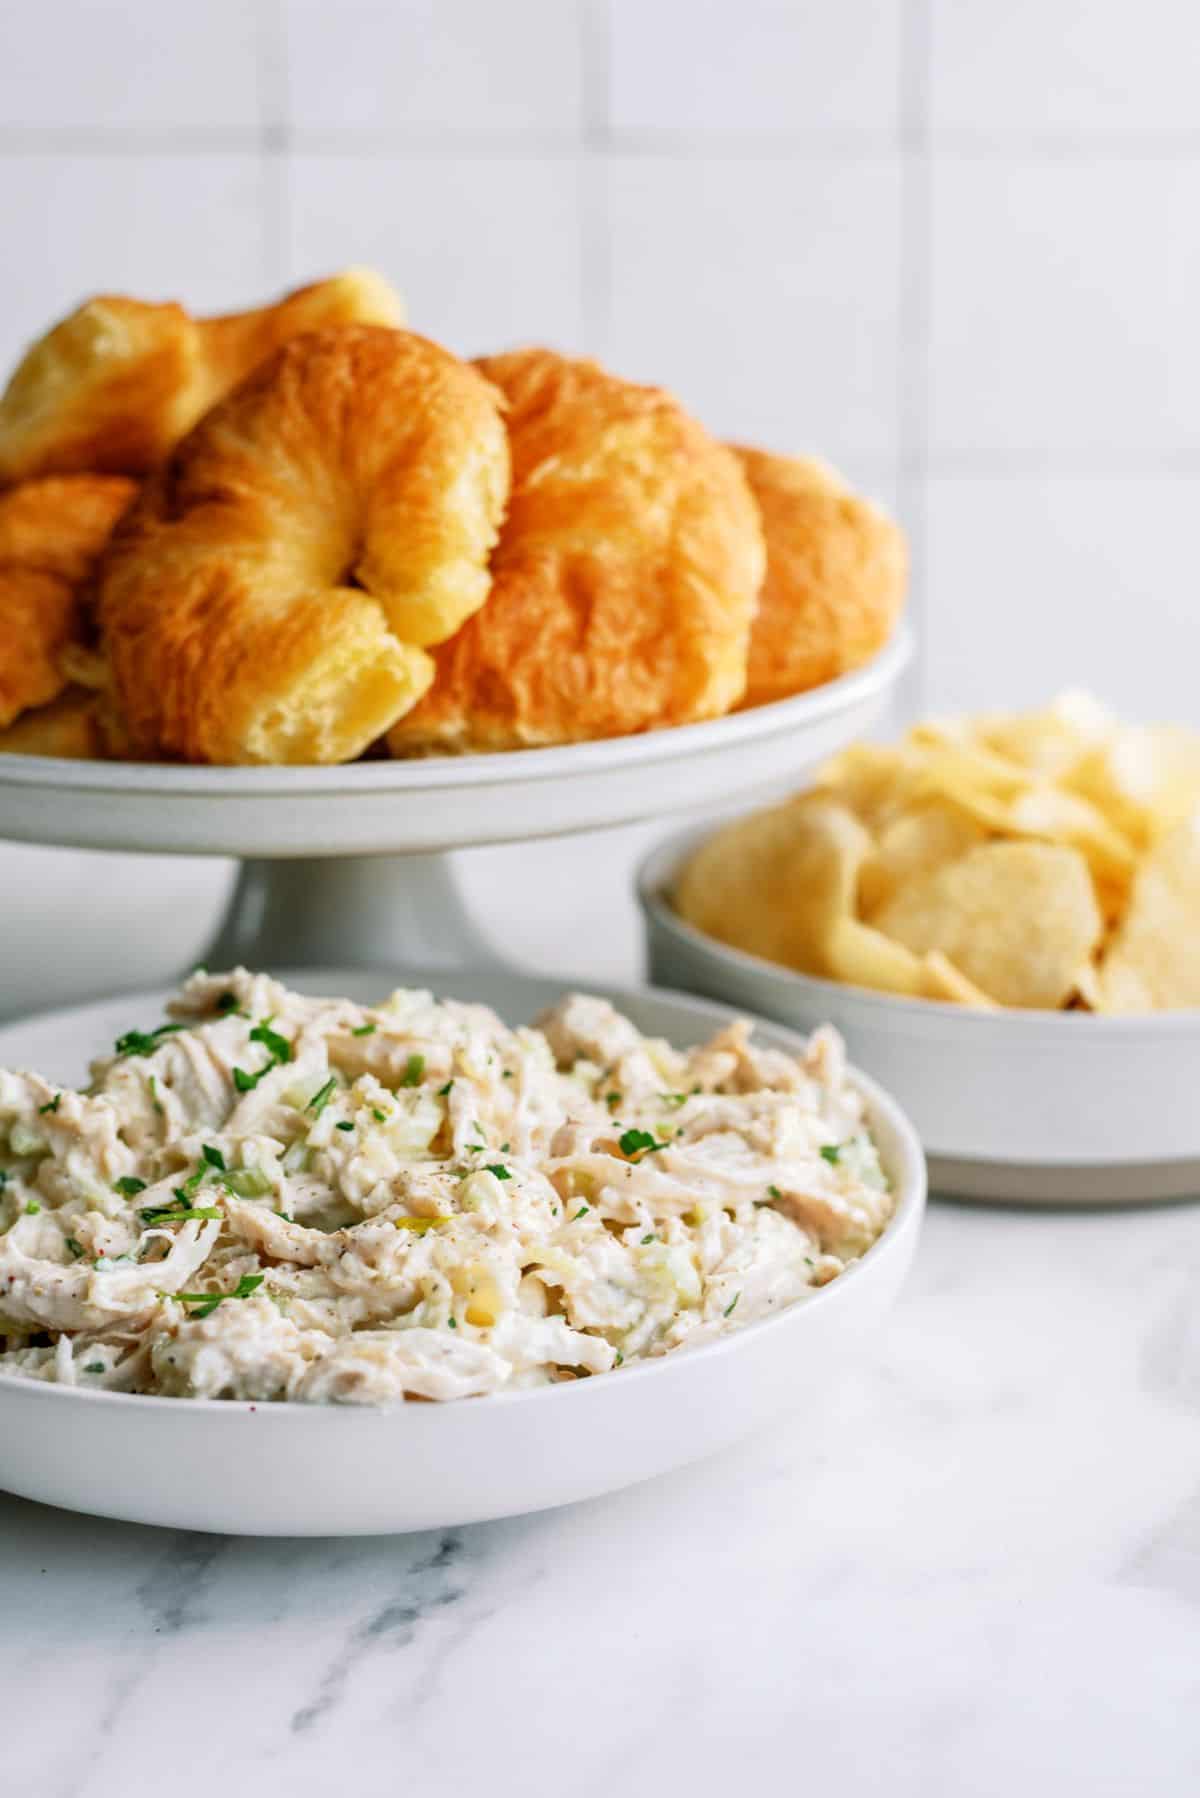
[{"x": 272, "y": 1196}]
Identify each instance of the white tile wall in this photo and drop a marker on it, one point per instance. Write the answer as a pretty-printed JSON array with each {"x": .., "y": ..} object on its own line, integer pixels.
[
  {"x": 953, "y": 243},
  {"x": 1065, "y": 66},
  {"x": 434, "y": 66},
  {"x": 757, "y": 66},
  {"x": 1037, "y": 582},
  {"x": 1063, "y": 304},
  {"x": 764, "y": 291},
  {"x": 486, "y": 249}
]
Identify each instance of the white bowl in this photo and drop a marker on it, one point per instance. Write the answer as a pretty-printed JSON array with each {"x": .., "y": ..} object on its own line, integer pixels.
[
  {"x": 286, "y": 1469},
  {"x": 1038, "y": 1107}
]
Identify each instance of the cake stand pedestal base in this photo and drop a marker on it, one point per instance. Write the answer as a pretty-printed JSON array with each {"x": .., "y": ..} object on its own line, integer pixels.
[{"x": 348, "y": 911}]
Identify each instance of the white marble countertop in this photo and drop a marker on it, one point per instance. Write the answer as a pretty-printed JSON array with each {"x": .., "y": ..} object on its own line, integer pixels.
[{"x": 978, "y": 1577}]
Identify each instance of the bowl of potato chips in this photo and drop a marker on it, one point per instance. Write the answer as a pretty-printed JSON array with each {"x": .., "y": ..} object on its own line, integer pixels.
[{"x": 1002, "y": 915}]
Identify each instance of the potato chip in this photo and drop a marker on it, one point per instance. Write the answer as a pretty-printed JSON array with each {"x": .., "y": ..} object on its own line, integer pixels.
[
  {"x": 1018, "y": 919},
  {"x": 776, "y": 883},
  {"x": 1052, "y": 742},
  {"x": 928, "y": 837},
  {"x": 1145, "y": 780},
  {"x": 1153, "y": 960},
  {"x": 944, "y": 981},
  {"x": 1047, "y": 813}
]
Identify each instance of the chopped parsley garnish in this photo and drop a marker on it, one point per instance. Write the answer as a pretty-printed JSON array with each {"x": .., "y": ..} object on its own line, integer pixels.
[
  {"x": 214, "y": 1158},
  {"x": 443, "y": 1090},
  {"x": 344, "y": 1124},
  {"x": 583, "y": 1209},
  {"x": 831, "y": 1152},
  {"x": 809, "y": 1262},
  {"x": 32, "y": 1208},
  {"x": 379, "y": 1116},
  {"x": 322, "y": 1096},
  {"x": 612, "y": 1100},
  {"x": 728, "y": 1311},
  {"x": 452, "y": 1322},
  {"x": 620, "y": 1358},
  {"x": 507, "y": 1074},
  {"x": 226, "y": 1002},
  {"x": 205, "y": 1303},
  {"x": 774, "y": 1192},
  {"x": 129, "y": 1184},
  {"x": 497, "y": 1168},
  {"x": 178, "y": 1211},
  {"x": 144, "y": 1042},
  {"x": 363, "y": 1030},
  {"x": 50, "y": 1105},
  {"x": 76, "y": 1248},
  {"x": 637, "y": 1142},
  {"x": 94, "y": 1367},
  {"x": 650, "y": 1238},
  {"x": 278, "y": 1047},
  {"x": 675, "y": 1099},
  {"x": 414, "y": 1070}
]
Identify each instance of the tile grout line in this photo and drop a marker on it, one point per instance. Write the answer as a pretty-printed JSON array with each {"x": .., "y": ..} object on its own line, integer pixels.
[
  {"x": 912, "y": 324},
  {"x": 274, "y": 136},
  {"x": 594, "y": 225}
]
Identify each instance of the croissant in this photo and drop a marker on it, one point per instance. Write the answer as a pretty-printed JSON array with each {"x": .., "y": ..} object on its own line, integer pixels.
[
  {"x": 52, "y": 534},
  {"x": 837, "y": 569},
  {"x": 120, "y": 381},
  {"x": 624, "y": 581},
  {"x": 70, "y": 725},
  {"x": 269, "y": 597}
]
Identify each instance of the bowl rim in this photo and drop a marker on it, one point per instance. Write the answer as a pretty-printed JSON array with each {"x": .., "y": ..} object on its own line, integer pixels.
[
  {"x": 911, "y": 1186},
  {"x": 661, "y": 863}
]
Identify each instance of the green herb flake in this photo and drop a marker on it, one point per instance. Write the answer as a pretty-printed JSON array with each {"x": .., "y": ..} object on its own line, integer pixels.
[
  {"x": 831, "y": 1152},
  {"x": 364, "y": 1030},
  {"x": 129, "y": 1185},
  {"x": 497, "y": 1168},
  {"x": 728, "y": 1311},
  {"x": 76, "y": 1248},
  {"x": 277, "y": 1047},
  {"x": 322, "y": 1096},
  {"x": 774, "y": 1192},
  {"x": 226, "y": 1002},
  {"x": 619, "y": 1360},
  {"x": 344, "y": 1124},
  {"x": 32, "y": 1208},
  {"x": 144, "y": 1042},
  {"x": 205, "y": 1303},
  {"x": 675, "y": 1100},
  {"x": 414, "y": 1071},
  {"x": 245, "y": 1082},
  {"x": 612, "y": 1100},
  {"x": 452, "y": 1322},
  {"x": 94, "y": 1367},
  {"x": 650, "y": 1238},
  {"x": 637, "y": 1142},
  {"x": 214, "y": 1158},
  {"x": 442, "y": 1091},
  {"x": 50, "y": 1105},
  {"x": 380, "y": 1117},
  {"x": 582, "y": 1212},
  {"x": 154, "y": 1098}
]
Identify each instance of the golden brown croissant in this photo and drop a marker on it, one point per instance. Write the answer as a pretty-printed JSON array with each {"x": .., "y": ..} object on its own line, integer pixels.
[
  {"x": 52, "y": 533},
  {"x": 70, "y": 725},
  {"x": 837, "y": 568},
  {"x": 269, "y": 597},
  {"x": 624, "y": 581},
  {"x": 116, "y": 384}
]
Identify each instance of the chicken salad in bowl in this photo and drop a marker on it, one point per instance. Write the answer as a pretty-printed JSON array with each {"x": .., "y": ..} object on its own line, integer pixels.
[{"x": 278, "y": 1197}]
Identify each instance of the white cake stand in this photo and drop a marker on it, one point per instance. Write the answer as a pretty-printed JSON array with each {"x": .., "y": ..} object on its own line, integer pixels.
[{"x": 347, "y": 866}]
